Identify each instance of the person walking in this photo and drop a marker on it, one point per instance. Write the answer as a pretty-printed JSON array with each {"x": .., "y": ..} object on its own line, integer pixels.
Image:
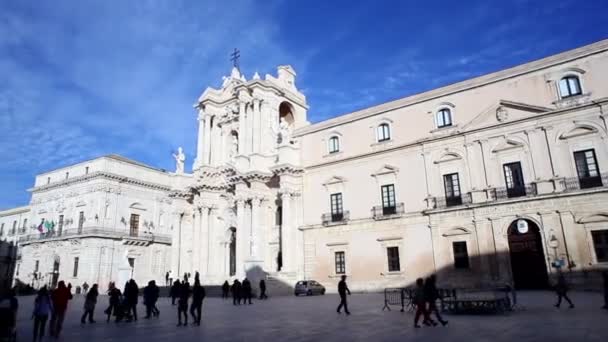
[
  {"x": 198, "y": 295},
  {"x": 131, "y": 296},
  {"x": 113, "y": 300},
  {"x": 43, "y": 307},
  {"x": 225, "y": 290},
  {"x": 60, "y": 297},
  {"x": 263, "y": 289},
  {"x": 174, "y": 291},
  {"x": 605, "y": 277},
  {"x": 561, "y": 289},
  {"x": 85, "y": 288},
  {"x": 420, "y": 303},
  {"x": 342, "y": 290},
  {"x": 236, "y": 292},
  {"x": 167, "y": 279},
  {"x": 431, "y": 295},
  {"x": 182, "y": 302},
  {"x": 247, "y": 291},
  {"x": 89, "y": 305},
  {"x": 151, "y": 293}
]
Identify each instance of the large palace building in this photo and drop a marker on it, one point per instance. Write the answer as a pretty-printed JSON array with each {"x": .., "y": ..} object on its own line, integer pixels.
[{"x": 500, "y": 178}]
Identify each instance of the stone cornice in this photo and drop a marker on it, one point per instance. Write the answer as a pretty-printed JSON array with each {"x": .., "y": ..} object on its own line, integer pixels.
[
  {"x": 15, "y": 211},
  {"x": 103, "y": 175},
  {"x": 286, "y": 169},
  {"x": 476, "y": 82}
]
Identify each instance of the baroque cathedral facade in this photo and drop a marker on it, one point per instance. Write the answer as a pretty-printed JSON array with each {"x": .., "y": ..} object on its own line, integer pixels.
[{"x": 500, "y": 178}]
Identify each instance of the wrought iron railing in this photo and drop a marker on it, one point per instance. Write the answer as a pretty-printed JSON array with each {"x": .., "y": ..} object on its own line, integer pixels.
[
  {"x": 335, "y": 218},
  {"x": 380, "y": 212},
  {"x": 576, "y": 183},
  {"x": 453, "y": 201},
  {"x": 520, "y": 191},
  {"x": 95, "y": 231}
]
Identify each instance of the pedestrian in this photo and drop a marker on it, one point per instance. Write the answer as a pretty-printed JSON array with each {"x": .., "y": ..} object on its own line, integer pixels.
[
  {"x": 182, "y": 302},
  {"x": 60, "y": 297},
  {"x": 342, "y": 290},
  {"x": 131, "y": 294},
  {"x": 114, "y": 300},
  {"x": 167, "y": 279},
  {"x": 263, "y": 289},
  {"x": 420, "y": 303},
  {"x": 198, "y": 295},
  {"x": 605, "y": 276},
  {"x": 236, "y": 292},
  {"x": 561, "y": 289},
  {"x": 89, "y": 305},
  {"x": 246, "y": 291},
  {"x": 225, "y": 289},
  {"x": 43, "y": 307},
  {"x": 174, "y": 291},
  {"x": 85, "y": 288},
  {"x": 431, "y": 295},
  {"x": 11, "y": 303},
  {"x": 151, "y": 294}
]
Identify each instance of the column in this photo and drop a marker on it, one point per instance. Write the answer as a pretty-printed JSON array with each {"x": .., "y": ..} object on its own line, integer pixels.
[
  {"x": 242, "y": 128},
  {"x": 176, "y": 245},
  {"x": 240, "y": 238},
  {"x": 249, "y": 143},
  {"x": 200, "y": 143},
  {"x": 286, "y": 236},
  {"x": 255, "y": 227},
  {"x": 196, "y": 246},
  {"x": 207, "y": 139},
  {"x": 204, "y": 241},
  {"x": 257, "y": 133}
]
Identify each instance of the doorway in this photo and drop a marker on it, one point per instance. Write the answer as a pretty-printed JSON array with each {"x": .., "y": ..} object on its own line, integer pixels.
[{"x": 528, "y": 263}]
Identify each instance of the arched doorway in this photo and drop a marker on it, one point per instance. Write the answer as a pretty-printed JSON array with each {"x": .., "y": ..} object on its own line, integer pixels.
[
  {"x": 286, "y": 112},
  {"x": 528, "y": 263},
  {"x": 232, "y": 249}
]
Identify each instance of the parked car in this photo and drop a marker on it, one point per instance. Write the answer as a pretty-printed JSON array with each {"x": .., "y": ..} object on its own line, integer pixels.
[{"x": 309, "y": 288}]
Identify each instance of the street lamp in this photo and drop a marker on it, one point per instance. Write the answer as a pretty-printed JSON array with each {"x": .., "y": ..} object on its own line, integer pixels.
[{"x": 554, "y": 244}]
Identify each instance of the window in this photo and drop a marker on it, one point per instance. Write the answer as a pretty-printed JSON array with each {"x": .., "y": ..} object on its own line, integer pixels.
[
  {"x": 393, "y": 259},
  {"x": 461, "y": 255},
  {"x": 384, "y": 132},
  {"x": 452, "y": 189},
  {"x": 134, "y": 225},
  {"x": 587, "y": 169},
  {"x": 388, "y": 199},
  {"x": 337, "y": 212},
  {"x": 600, "y": 244},
  {"x": 48, "y": 180},
  {"x": 14, "y": 227},
  {"x": 570, "y": 86},
  {"x": 80, "y": 220},
  {"x": 514, "y": 179},
  {"x": 67, "y": 175},
  {"x": 60, "y": 224},
  {"x": 444, "y": 118},
  {"x": 24, "y": 224},
  {"x": 75, "y": 271},
  {"x": 86, "y": 170},
  {"x": 334, "y": 144},
  {"x": 131, "y": 262},
  {"x": 340, "y": 263},
  {"x": 36, "y": 265},
  {"x": 2, "y": 229}
]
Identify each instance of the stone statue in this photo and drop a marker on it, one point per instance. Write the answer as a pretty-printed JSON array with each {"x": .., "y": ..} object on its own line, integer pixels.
[
  {"x": 284, "y": 131},
  {"x": 234, "y": 149},
  {"x": 180, "y": 159}
]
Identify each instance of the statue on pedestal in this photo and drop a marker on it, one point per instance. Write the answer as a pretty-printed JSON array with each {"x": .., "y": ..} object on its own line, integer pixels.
[
  {"x": 180, "y": 159},
  {"x": 284, "y": 131},
  {"x": 234, "y": 148}
]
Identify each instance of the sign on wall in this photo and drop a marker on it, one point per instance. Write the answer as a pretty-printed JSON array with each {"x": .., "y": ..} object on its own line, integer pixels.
[{"x": 522, "y": 226}]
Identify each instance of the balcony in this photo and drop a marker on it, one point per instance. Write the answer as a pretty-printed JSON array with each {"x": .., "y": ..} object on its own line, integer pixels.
[
  {"x": 576, "y": 183},
  {"x": 331, "y": 219},
  {"x": 380, "y": 212},
  {"x": 144, "y": 238},
  {"x": 504, "y": 193},
  {"x": 454, "y": 201}
]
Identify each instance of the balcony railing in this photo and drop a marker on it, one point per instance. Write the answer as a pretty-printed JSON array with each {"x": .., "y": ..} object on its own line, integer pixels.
[
  {"x": 576, "y": 183},
  {"x": 335, "y": 218},
  {"x": 454, "y": 201},
  {"x": 380, "y": 212},
  {"x": 520, "y": 191},
  {"x": 94, "y": 231}
]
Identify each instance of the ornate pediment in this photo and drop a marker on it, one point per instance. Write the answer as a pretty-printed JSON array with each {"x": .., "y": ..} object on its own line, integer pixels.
[
  {"x": 593, "y": 218},
  {"x": 503, "y": 111},
  {"x": 334, "y": 180},
  {"x": 456, "y": 232},
  {"x": 507, "y": 144},
  {"x": 579, "y": 130},
  {"x": 385, "y": 170},
  {"x": 448, "y": 156}
]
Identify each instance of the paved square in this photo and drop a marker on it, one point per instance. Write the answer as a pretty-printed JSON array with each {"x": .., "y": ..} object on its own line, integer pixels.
[{"x": 315, "y": 319}]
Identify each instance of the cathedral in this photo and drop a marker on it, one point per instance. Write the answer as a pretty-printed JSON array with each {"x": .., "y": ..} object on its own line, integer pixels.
[{"x": 496, "y": 179}]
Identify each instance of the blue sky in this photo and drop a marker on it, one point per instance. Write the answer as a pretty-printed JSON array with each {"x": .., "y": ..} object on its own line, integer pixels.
[{"x": 79, "y": 79}]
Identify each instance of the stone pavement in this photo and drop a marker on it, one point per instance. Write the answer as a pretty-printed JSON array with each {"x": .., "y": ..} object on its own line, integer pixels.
[{"x": 314, "y": 319}]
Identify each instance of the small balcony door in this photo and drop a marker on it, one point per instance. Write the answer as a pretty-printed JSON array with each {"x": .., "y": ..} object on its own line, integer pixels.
[{"x": 514, "y": 179}]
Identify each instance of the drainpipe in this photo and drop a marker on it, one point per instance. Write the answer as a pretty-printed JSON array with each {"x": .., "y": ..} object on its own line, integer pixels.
[{"x": 561, "y": 222}]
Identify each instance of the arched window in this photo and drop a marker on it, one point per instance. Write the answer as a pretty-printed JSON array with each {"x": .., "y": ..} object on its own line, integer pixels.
[
  {"x": 384, "y": 132},
  {"x": 334, "y": 144},
  {"x": 444, "y": 117},
  {"x": 570, "y": 86}
]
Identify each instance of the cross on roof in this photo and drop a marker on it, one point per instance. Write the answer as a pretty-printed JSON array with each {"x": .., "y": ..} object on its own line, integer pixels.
[{"x": 234, "y": 57}]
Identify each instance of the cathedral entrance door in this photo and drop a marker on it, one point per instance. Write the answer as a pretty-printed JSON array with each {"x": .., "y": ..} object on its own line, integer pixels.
[{"x": 527, "y": 257}]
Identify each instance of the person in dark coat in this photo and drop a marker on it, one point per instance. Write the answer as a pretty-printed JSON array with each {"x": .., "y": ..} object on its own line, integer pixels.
[
  {"x": 342, "y": 290},
  {"x": 198, "y": 294},
  {"x": 60, "y": 296},
  {"x": 246, "y": 291},
  {"x": 561, "y": 289},
  {"x": 236, "y": 292},
  {"x": 263, "y": 289},
  {"x": 605, "y": 277},
  {"x": 225, "y": 289},
  {"x": 431, "y": 295},
  {"x": 420, "y": 302},
  {"x": 89, "y": 305},
  {"x": 174, "y": 291},
  {"x": 182, "y": 302},
  {"x": 43, "y": 307},
  {"x": 151, "y": 293},
  {"x": 131, "y": 295},
  {"x": 114, "y": 300}
]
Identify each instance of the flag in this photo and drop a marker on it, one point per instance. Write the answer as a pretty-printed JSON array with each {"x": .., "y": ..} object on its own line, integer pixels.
[
  {"x": 40, "y": 225},
  {"x": 47, "y": 225}
]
